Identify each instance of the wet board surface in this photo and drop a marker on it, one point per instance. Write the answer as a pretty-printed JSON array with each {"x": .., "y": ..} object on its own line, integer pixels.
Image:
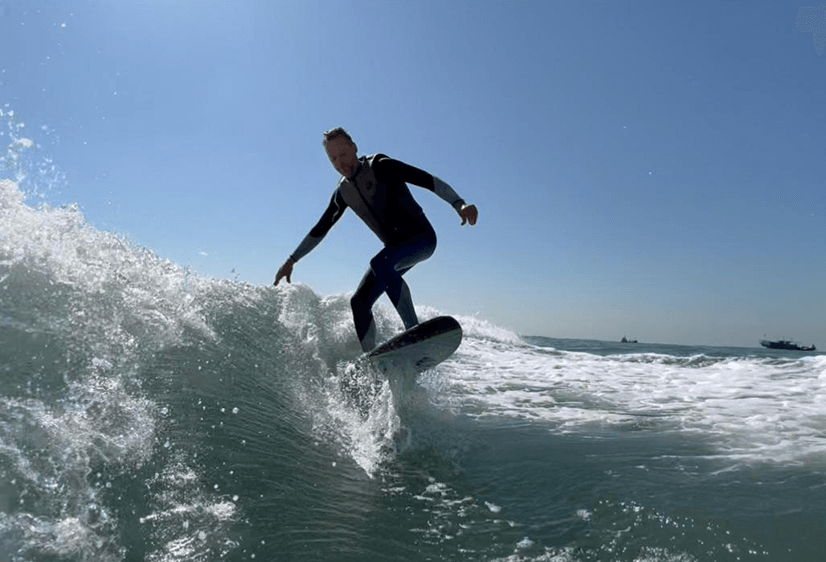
[{"x": 421, "y": 347}]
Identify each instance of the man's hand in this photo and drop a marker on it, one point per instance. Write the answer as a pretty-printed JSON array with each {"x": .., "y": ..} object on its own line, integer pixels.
[
  {"x": 286, "y": 270},
  {"x": 469, "y": 214}
]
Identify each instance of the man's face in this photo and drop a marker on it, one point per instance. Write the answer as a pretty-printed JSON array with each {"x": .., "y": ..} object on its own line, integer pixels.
[{"x": 343, "y": 157}]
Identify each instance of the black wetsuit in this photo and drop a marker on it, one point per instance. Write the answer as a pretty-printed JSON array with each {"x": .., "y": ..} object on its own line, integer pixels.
[{"x": 379, "y": 195}]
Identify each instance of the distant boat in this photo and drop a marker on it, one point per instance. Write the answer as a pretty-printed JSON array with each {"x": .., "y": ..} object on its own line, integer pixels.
[
  {"x": 626, "y": 340},
  {"x": 786, "y": 344}
]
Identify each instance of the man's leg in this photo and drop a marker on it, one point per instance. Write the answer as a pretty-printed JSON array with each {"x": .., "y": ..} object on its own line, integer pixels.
[
  {"x": 404, "y": 304},
  {"x": 368, "y": 292},
  {"x": 385, "y": 275},
  {"x": 394, "y": 261}
]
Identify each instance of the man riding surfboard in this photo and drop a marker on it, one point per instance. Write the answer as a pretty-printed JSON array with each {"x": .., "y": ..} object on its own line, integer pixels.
[{"x": 375, "y": 187}]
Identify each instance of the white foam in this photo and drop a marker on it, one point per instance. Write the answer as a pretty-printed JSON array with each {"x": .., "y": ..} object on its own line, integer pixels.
[
  {"x": 749, "y": 408},
  {"x": 106, "y": 306}
]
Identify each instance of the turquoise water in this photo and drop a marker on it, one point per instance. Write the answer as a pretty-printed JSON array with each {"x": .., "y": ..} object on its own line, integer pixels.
[{"x": 150, "y": 414}]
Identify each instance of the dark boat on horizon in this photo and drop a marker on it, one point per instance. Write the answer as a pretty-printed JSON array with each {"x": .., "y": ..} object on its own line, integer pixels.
[{"x": 786, "y": 344}]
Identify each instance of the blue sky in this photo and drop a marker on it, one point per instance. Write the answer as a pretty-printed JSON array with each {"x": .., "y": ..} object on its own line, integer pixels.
[{"x": 651, "y": 169}]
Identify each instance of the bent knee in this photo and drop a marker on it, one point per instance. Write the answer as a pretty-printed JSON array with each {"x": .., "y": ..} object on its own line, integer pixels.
[{"x": 379, "y": 265}]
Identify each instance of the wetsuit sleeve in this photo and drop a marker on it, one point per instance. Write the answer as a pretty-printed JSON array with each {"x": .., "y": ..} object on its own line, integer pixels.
[
  {"x": 398, "y": 170},
  {"x": 331, "y": 215}
]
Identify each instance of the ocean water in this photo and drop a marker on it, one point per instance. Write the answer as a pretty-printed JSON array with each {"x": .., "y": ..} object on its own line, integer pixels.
[{"x": 147, "y": 413}]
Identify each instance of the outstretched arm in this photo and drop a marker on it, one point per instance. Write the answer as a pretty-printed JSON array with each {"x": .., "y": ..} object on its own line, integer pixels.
[
  {"x": 331, "y": 215},
  {"x": 468, "y": 213},
  {"x": 416, "y": 176}
]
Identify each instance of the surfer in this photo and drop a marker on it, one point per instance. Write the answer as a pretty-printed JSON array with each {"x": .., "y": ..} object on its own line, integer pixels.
[{"x": 375, "y": 188}]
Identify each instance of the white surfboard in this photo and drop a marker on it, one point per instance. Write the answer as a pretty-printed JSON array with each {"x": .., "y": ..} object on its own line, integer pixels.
[{"x": 421, "y": 347}]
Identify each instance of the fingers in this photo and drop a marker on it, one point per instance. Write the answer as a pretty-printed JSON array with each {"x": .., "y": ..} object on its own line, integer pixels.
[
  {"x": 469, "y": 214},
  {"x": 283, "y": 272}
]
